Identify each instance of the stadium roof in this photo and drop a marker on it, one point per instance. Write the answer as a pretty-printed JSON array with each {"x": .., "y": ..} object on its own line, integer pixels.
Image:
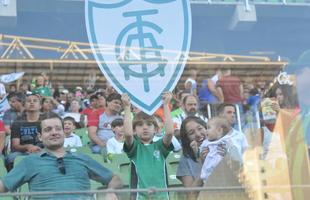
[{"x": 72, "y": 63}]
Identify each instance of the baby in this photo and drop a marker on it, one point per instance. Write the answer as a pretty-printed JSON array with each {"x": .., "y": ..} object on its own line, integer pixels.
[{"x": 217, "y": 134}]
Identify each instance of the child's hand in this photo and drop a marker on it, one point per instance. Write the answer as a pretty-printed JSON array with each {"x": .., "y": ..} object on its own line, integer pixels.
[
  {"x": 125, "y": 100},
  {"x": 204, "y": 152},
  {"x": 222, "y": 149},
  {"x": 167, "y": 96}
]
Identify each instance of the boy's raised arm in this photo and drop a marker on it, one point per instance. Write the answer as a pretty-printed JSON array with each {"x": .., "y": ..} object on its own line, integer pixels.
[
  {"x": 128, "y": 131},
  {"x": 167, "y": 96}
]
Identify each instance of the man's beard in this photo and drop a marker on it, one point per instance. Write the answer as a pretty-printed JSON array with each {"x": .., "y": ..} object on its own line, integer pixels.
[{"x": 191, "y": 112}]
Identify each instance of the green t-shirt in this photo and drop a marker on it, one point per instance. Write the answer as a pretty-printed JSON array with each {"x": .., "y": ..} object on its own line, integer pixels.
[
  {"x": 43, "y": 91},
  {"x": 176, "y": 112},
  {"x": 148, "y": 167}
]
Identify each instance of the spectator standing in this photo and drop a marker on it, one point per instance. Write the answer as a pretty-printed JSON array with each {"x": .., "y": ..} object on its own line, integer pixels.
[
  {"x": 229, "y": 88},
  {"x": 39, "y": 86},
  {"x": 147, "y": 157}
]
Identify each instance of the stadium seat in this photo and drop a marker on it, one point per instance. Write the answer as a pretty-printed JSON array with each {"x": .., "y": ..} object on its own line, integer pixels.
[
  {"x": 83, "y": 134},
  {"x": 121, "y": 164},
  {"x": 84, "y": 150},
  {"x": 172, "y": 162}
]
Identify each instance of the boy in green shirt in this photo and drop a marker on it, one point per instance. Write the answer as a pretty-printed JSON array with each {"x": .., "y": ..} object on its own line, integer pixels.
[{"x": 147, "y": 157}]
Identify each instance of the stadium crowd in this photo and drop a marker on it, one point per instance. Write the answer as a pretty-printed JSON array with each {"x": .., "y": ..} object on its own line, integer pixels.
[{"x": 204, "y": 122}]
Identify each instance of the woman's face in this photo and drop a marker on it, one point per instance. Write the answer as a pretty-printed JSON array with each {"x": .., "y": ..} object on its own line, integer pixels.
[
  {"x": 279, "y": 96},
  {"x": 75, "y": 106},
  {"x": 195, "y": 132}
]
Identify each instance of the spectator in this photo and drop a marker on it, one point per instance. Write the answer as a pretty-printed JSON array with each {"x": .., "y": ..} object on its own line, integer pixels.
[
  {"x": 99, "y": 109},
  {"x": 100, "y": 130},
  {"x": 24, "y": 138},
  {"x": 24, "y": 88},
  {"x": 229, "y": 88},
  {"x": 179, "y": 99},
  {"x": 147, "y": 157},
  {"x": 190, "y": 108},
  {"x": 116, "y": 143},
  {"x": 74, "y": 112},
  {"x": 12, "y": 88},
  {"x": 71, "y": 140},
  {"x": 79, "y": 93},
  {"x": 101, "y": 104},
  {"x": 192, "y": 133},
  {"x": 54, "y": 169},
  {"x": 70, "y": 97},
  {"x": 254, "y": 99},
  {"x": 217, "y": 134},
  {"x": 16, "y": 101},
  {"x": 286, "y": 96},
  {"x": 49, "y": 104},
  {"x": 228, "y": 112},
  {"x": 93, "y": 103},
  {"x": 208, "y": 93},
  {"x": 40, "y": 86},
  {"x": 190, "y": 84}
]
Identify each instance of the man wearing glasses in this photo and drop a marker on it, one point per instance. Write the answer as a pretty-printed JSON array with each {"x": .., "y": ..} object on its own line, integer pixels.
[{"x": 54, "y": 169}]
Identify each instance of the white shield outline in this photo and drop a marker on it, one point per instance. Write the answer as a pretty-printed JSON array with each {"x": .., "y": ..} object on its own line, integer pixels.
[{"x": 147, "y": 107}]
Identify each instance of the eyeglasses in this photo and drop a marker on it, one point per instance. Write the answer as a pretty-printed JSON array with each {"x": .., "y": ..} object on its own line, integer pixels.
[{"x": 61, "y": 165}]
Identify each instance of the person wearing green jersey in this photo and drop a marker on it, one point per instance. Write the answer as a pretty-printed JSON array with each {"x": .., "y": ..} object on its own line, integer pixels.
[{"x": 148, "y": 168}]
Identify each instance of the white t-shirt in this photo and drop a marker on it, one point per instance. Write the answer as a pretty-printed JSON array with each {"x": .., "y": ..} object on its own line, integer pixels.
[
  {"x": 176, "y": 144},
  {"x": 73, "y": 141},
  {"x": 239, "y": 140},
  {"x": 114, "y": 146}
]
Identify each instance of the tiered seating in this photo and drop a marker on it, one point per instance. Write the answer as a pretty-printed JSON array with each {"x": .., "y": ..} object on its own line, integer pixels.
[{"x": 83, "y": 134}]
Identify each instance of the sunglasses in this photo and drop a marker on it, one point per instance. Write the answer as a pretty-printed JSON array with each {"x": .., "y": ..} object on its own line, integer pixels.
[{"x": 61, "y": 165}]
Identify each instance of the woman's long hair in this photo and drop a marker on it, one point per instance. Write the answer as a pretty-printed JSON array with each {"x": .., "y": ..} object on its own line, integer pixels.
[{"x": 187, "y": 150}]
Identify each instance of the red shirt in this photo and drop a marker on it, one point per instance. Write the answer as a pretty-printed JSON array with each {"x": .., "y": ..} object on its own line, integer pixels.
[
  {"x": 2, "y": 129},
  {"x": 93, "y": 118},
  {"x": 230, "y": 86}
]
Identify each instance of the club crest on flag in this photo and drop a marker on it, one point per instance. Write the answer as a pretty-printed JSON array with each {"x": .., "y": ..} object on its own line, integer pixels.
[{"x": 140, "y": 46}]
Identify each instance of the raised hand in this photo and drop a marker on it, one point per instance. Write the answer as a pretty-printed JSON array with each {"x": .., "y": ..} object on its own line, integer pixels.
[
  {"x": 167, "y": 96},
  {"x": 126, "y": 100}
]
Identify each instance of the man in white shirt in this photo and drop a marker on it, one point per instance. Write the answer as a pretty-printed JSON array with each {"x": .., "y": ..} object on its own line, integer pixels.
[{"x": 228, "y": 111}]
